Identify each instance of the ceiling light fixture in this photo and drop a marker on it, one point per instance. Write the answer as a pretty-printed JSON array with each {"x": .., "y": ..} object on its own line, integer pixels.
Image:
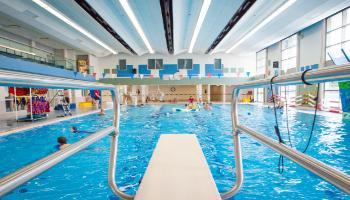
[
  {"x": 263, "y": 23},
  {"x": 203, "y": 12},
  {"x": 68, "y": 21},
  {"x": 136, "y": 23}
]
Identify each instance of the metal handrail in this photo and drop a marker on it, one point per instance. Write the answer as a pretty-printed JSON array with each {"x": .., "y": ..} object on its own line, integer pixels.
[
  {"x": 329, "y": 74},
  {"x": 114, "y": 149},
  {"x": 21, "y": 176},
  {"x": 238, "y": 155},
  {"x": 19, "y": 79}
]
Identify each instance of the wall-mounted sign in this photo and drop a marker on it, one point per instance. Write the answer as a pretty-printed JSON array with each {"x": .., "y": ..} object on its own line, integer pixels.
[
  {"x": 275, "y": 64},
  {"x": 83, "y": 64}
]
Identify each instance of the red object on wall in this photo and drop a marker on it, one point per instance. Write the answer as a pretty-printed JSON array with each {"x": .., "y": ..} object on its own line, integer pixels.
[
  {"x": 25, "y": 91},
  {"x": 39, "y": 90},
  {"x": 19, "y": 91}
]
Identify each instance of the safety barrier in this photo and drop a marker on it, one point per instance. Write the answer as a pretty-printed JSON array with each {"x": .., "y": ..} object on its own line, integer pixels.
[{"x": 329, "y": 74}]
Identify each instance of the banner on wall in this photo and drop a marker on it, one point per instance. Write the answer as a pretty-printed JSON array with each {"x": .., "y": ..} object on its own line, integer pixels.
[{"x": 344, "y": 92}]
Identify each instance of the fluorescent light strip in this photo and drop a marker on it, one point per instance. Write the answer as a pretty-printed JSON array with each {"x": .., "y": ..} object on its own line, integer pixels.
[
  {"x": 136, "y": 23},
  {"x": 203, "y": 12},
  {"x": 263, "y": 23},
  {"x": 68, "y": 21},
  {"x": 27, "y": 52}
]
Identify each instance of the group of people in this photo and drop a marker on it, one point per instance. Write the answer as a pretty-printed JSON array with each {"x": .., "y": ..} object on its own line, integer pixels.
[
  {"x": 62, "y": 141},
  {"x": 198, "y": 105}
]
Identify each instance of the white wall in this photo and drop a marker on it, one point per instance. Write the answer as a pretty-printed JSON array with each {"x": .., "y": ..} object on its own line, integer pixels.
[
  {"x": 273, "y": 55},
  {"x": 229, "y": 61},
  {"x": 311, "y": 45},
  {"x": 94, "y": 62}
]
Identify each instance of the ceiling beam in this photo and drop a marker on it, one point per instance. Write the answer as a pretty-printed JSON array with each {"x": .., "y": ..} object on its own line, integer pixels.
[
  {"x": 93, "y": 13},
  {"x": 233, "y": 21},
  {"x": 167, "y": 14}
]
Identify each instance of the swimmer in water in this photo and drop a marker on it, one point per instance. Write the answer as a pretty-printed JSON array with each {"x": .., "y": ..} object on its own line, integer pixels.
[
  {"x": 74, "y": 129},
  {"x": 62, "y": 143}
]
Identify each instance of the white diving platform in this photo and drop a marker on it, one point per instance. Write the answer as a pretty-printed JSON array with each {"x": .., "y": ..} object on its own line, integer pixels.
[{"x": 178, "y": 170}]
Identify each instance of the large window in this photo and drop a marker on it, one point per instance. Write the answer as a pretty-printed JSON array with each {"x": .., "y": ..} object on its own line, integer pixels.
[
  {"x": 289, "y": 53},
  {"x": 261, "y": 62},
  {"x": 259, "y": 95},
  {"x": 217, "y": 64},
  {"x": 338, "y": 34},
  {"x": 288, "y": 92},
  {"x": 122, "y": 64},
  {"x": 184, "y": 63},
  {"x": 155, "y": 63},
  {"x": 331, "y": 96}
]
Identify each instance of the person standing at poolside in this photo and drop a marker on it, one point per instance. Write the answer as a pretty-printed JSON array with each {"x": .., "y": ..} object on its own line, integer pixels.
[{"x": 190, "y": 100}]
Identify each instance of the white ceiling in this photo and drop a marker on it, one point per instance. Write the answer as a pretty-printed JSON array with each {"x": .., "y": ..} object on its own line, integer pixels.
[{"x": 36, "y": 23}]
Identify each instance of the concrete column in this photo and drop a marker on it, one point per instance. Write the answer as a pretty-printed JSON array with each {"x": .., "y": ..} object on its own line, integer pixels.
[
  {"x": 124, "y": 93},
  {"x": 143, "y": 94},
  {"x": 134, "y": 94},
  {"x": 224, "y": 94},
  {"x": 208, "y": 93},
  {"x": 199, "y": 93},
  {"x": 3, "y": 94}
]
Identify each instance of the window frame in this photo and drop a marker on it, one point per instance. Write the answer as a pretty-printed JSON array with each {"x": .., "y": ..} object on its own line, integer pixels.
[
  {"x": 219, "y": 60},
  {"x": 155, "y": 63},
  {"x": 119, "y": 66},
  {"x": 345, "y": 25},
  {"x": 184, "y": 65},
  {"x": 257, "y": 59},
  {"x": 287, "y": 49}
]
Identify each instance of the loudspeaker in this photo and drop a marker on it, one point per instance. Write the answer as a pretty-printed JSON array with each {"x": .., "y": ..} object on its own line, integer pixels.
[{"x": 134, "y": 71}]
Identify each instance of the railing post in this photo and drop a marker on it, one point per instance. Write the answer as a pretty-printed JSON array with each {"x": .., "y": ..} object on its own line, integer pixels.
[
  {"x": 114, "y": 148},
  {"x": 237, "y": 148}
]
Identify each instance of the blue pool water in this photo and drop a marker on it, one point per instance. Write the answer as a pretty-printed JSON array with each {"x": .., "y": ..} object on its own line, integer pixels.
[{"x": 84, "y": 176}]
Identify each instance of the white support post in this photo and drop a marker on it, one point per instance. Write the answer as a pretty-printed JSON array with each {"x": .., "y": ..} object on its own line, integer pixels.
[
  {"x": 208, "y": 93},
  {"x": 224, "y": 94},
  {"x": 16, "y": 108},
  {"x": 199, "y": 93},
  {"x": 31, "y": 103},
  {"x": 143, "y": 94}
]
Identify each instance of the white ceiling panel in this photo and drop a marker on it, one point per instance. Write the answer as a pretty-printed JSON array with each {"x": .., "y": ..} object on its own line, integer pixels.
[{"x": 36, "y": 23}]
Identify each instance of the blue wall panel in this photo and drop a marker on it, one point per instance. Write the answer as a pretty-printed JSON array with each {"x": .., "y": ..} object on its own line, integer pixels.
[
  {"x": 144, "y": 70},
  {"x": 168, "y": 69},
  {"x": 195, "y": 70},
  {"x": 209, "y": 68},
  {"x": 37, "y": 68},
  {"x": 125, "y": 73}
]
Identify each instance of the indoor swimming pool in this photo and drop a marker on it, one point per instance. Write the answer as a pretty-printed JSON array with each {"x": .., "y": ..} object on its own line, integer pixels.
[{"x": 84, "y": 175}]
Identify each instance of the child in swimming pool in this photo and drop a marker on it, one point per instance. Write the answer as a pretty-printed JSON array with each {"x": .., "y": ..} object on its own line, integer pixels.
[
  {"x": 62, "y": 143},
  {"x": 74, "y": 129}
]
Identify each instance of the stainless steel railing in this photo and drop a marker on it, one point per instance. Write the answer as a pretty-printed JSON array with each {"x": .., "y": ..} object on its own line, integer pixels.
[
  {"x": 114, "y": 149},
  {"x": 19, "y": 79},
  {"x": 330, "y": 174},
  {"x": 13, "y": 180}
]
